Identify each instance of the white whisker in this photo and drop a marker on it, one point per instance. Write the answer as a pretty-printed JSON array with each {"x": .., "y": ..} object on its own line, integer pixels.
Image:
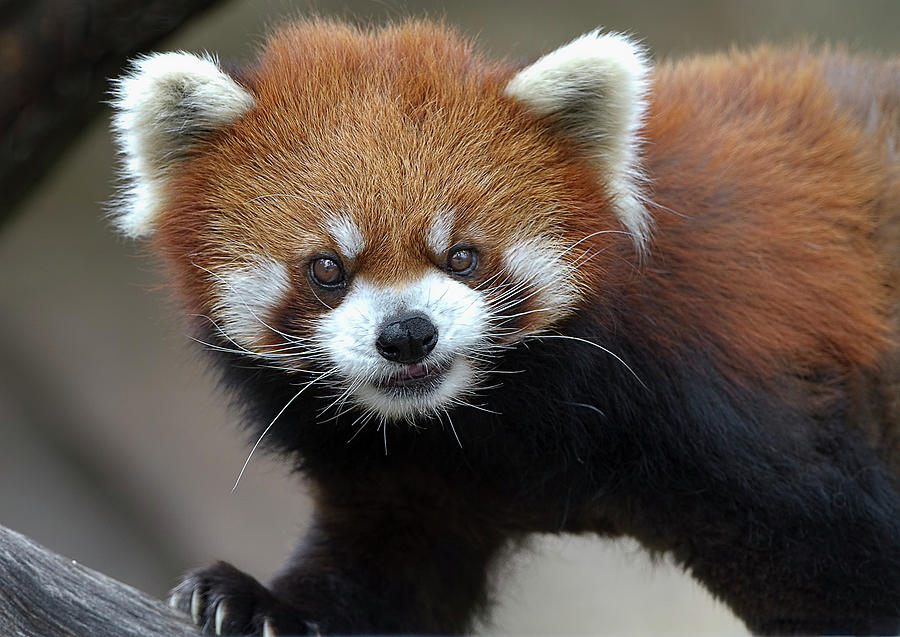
[
  {"x": 453, "y": 429},
  {"x": 593, "y": 344},
  {"x": 266, "y": 430},
  {"x": 249, "y": 309}
]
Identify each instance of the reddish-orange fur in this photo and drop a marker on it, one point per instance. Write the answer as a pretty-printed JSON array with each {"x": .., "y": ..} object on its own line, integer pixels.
[
  {"x": 778, "y": 268},
  {"x": 775, "y": 260},
  {"x": 345, "y": 107},
  {"x": 765, "y": 315}
]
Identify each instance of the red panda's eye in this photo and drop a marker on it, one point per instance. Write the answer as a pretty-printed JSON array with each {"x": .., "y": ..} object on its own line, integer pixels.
[
  {"x": 461, "y": 260},
  {"x": 326, "y": 271}
]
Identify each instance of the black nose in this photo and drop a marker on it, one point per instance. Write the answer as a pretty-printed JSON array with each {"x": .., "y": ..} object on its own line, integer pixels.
[{"x": 407, "y": 339}]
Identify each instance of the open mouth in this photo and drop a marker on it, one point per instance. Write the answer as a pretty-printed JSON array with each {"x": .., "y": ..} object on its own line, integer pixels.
[
  {"x": 416, "y": 390},
  {"x": 414, "y": 377}
]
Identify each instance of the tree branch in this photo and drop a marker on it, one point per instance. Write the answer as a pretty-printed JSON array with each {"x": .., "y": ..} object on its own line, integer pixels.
[
  {"x": 56, "y": 58},
  {"x": 46, "y": 594}
]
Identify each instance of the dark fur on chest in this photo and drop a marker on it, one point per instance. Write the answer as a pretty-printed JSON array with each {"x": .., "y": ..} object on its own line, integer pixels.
[{"x": 779, "y": 506}]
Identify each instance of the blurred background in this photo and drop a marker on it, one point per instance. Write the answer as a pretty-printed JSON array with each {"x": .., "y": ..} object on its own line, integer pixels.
[{"x": 117, "y": 449}]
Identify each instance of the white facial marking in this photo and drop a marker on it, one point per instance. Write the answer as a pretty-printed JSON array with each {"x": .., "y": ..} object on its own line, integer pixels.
[
  {"x": 161, "y": 106},
  {"x": 348, "y": 334},
  {"x": 440, "y": 231},
  {"x": 541, "y": 266},
  {"x": 247, "y": 297},
  {"x": 346, "y": 235},
  {"x": 596, "y": 86}
]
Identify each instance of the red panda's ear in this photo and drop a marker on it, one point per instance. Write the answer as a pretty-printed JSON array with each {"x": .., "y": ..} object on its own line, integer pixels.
[
  {"x": 594, "y": 88},
  {"x": 163, "y": 106}
]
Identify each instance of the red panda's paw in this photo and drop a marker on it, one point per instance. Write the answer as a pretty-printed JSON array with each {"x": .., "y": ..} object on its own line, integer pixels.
[{"x": 223, "y": 600}]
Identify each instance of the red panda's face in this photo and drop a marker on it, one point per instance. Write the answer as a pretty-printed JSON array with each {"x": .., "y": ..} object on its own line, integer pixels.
[
  {"x": 363, "y": 250},
  {"x": 379, "y": 214}
]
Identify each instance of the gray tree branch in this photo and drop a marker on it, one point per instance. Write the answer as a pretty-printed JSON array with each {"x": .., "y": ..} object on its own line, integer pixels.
[
  {"x": 56, "y": 58},
  {"x": 46, "y": 594}
]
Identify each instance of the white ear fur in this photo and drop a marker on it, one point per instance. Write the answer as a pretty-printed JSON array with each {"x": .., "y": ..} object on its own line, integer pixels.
[
  {"x": 595, "y": 88},
  {"x": 162, "y": 106}
]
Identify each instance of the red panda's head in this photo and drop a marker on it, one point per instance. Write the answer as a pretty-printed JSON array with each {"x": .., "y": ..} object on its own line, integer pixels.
[{"x": 384, "y": 209}]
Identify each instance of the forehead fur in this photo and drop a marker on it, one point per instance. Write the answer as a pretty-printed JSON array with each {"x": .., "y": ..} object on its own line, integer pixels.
[{"x": 386, "y": 128}]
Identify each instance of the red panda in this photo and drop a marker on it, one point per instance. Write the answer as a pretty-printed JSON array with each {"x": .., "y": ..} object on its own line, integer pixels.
[{"x": 470, "y": 302}]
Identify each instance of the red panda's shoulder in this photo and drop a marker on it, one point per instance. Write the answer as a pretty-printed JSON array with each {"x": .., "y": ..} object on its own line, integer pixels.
[{"x": 766, "y": 194}]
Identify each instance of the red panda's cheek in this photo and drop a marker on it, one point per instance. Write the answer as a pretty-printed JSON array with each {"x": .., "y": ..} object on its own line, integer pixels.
[
  {"x": 246, "y": 296},
  {"x": 539, "y": 288}
]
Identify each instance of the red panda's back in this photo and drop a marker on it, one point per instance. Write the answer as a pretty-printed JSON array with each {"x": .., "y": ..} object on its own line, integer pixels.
[
  {"x": 778, "y": 222},
  {"x": 869, "y": 90}
]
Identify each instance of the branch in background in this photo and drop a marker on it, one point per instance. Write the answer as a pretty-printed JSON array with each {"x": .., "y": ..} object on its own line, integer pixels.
[
  {"x": 46, "y": 594},
  {"x": 56, "y": 58}
]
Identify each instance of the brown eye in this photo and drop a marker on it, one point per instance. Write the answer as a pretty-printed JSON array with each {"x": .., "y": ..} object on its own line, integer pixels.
[
  {"x": 461, "y": 260},
  {"x": 326, "y": 271}
]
